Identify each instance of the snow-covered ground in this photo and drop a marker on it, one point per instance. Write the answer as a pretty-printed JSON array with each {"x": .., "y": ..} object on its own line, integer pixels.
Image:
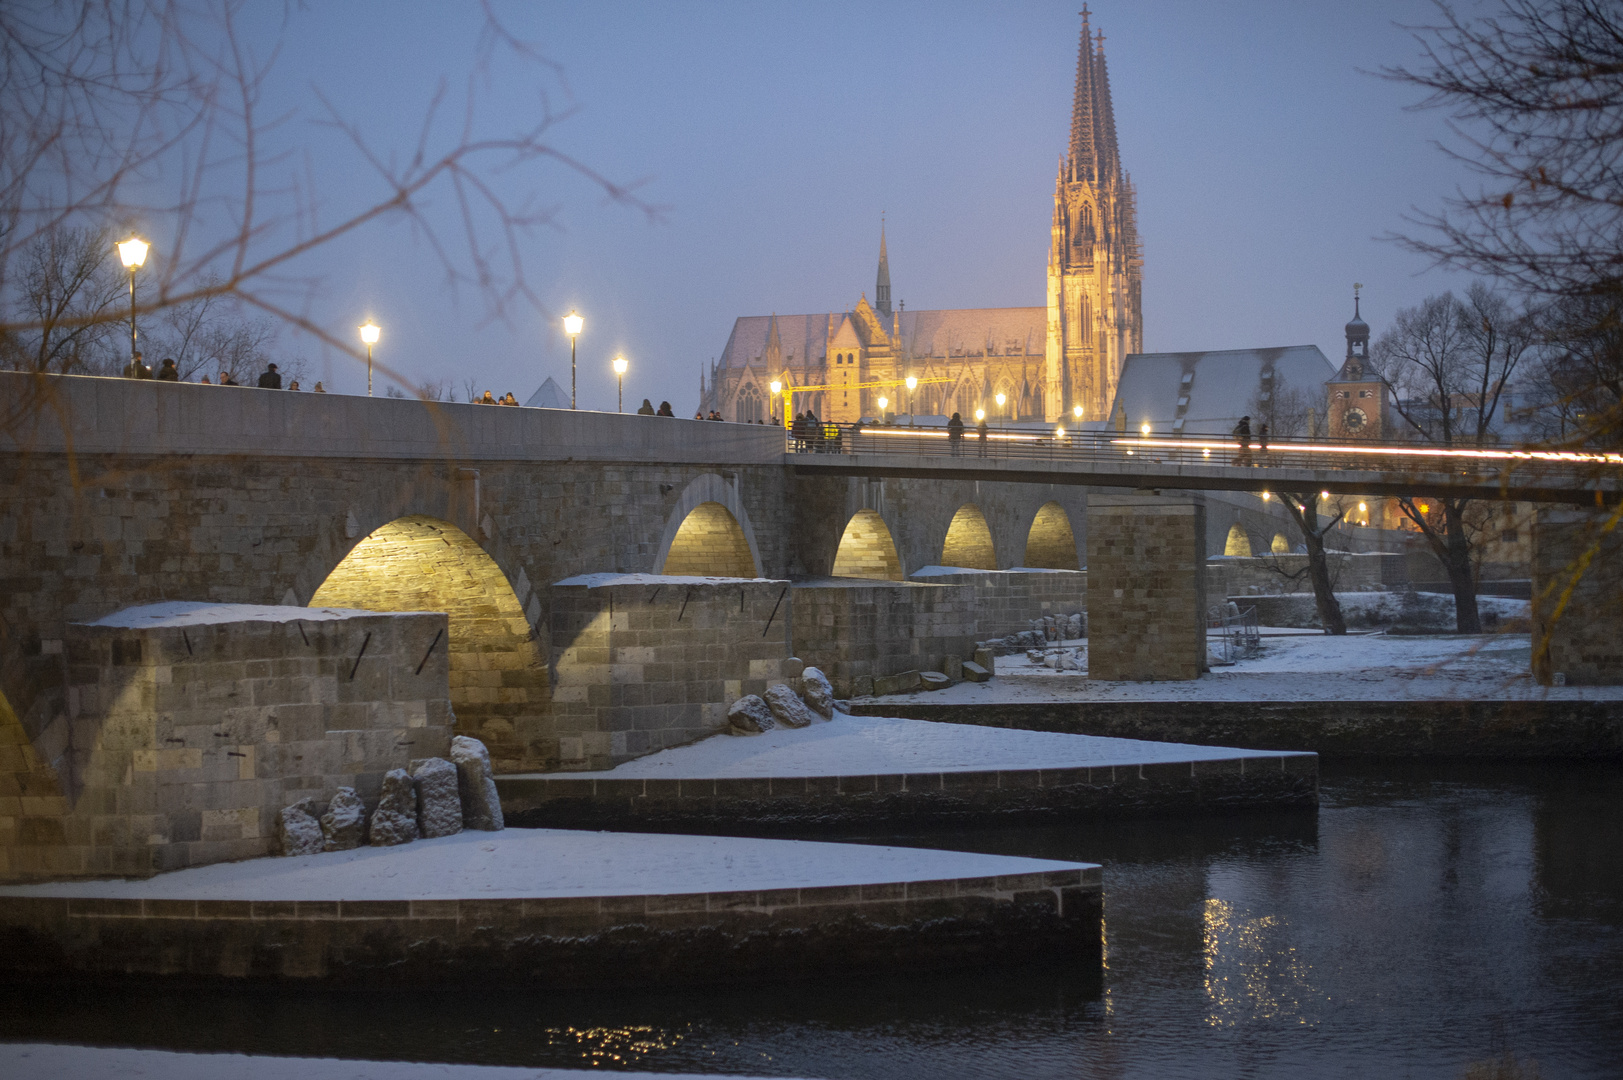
[
  {"x": 49, "y": 1061},
  {"x": 869, "y": 745},
  {"x": 540, "y": 863},
  {"x": 1302, "y": 667}
]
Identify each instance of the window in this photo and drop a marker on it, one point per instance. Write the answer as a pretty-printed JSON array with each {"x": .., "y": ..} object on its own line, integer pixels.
[
  {"x": 749, "y": 405},
  {"x": 1508, "y": 536},
  {"x": 1366, "y": 393}
]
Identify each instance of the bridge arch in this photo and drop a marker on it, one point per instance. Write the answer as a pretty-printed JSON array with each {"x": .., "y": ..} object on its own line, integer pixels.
[
  {"x": 969, "y": 541},
  {"x": 1051, "y": 543},
  {"x": 498, "y": 671},
  {"x": 867, "y": 549},
  {"x": 1238, "y": 542},
  {"x": 709, "y": 533}
]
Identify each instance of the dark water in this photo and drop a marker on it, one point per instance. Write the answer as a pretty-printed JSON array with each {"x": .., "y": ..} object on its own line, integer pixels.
[{"x": 1428, "y": 917}]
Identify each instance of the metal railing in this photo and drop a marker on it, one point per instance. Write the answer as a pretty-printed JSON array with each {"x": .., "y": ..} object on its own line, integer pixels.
[
  {"x": 1577, "y": 469},
  {"x": 1232, "y": 634}
]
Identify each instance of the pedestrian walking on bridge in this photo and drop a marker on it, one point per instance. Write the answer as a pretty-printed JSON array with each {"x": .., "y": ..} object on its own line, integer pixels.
[
  {"x": 955, "y": 434},
  {"x": 1242, "y": 435}
]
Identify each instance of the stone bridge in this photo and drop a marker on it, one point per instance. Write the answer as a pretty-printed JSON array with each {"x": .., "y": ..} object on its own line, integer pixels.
[{"x": 573, "y": 552}]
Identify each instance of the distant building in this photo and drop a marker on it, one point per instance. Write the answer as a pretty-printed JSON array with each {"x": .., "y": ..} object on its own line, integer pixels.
[
  {"x": 549, "y": 395},
  {"x": 1357, "y": 405},
  {"x": 1043, "y": 360}
]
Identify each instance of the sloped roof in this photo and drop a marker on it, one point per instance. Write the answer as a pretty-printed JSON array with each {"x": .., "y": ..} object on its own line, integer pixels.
[
  {"x": 1224, "y": 385},
  {"x": 549, "y": 395},
  {"x": 924, "y": 333}
]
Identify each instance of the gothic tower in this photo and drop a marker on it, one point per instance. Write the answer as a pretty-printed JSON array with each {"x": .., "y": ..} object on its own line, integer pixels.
[
  {"x": 1094, "y": 264},
  {"x": 881, "y": 289}
]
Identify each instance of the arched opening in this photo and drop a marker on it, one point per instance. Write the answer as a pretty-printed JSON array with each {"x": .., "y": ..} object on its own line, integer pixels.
[
  {"x": 498, "y": 670},
  {"x": 749, "y": 410},
  {"x": 866, "y": 549},
  {"x": 710, "y": 543},
  {"x": 1280, "y": 546},
  {"x": 1051, "y": 545},
  {"x": 1238, "y": 542},
  {"x": 969, "y": 541}
]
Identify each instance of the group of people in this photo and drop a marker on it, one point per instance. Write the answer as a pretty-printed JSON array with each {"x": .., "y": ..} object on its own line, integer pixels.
[
  {"x": 1242, "y": 435},
  {"x": 269, "y": 379},
  {"x": 491, "y": 399},
  {"x": 955, "y": 434},
  {"x": 664, "y": 409},
  {"x": 810, "y": 433}
]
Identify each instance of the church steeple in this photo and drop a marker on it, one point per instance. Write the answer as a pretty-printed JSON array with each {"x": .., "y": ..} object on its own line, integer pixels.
[
  {"x": 1084, "y": 160},
  {"x": 881, "y": 289}
]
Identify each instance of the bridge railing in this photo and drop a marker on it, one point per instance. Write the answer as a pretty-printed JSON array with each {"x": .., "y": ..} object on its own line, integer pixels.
[{"x": 1061, "y": 447}]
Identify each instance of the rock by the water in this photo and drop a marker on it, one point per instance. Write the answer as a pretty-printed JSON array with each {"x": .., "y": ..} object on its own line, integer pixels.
[
  {"x": 749, "y": 715},
  {"x": 481, "y": 806},
  {"x": 343, "y": 826},
  {"x": 787, "y": 708},
  {"x": 975, "y": 672},
  {"x": 395, "y": 819},
  {"x": 818, "y": 692},
  {"x": 934, "y": 680},
  {"x": 298, "y": 829},
  {"x": 439, "y": 804}
]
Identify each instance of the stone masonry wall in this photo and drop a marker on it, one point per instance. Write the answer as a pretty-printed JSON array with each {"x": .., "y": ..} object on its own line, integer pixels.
[
  {"x": 182, "y": 742},
  {"x": 1580, "y": 551},
  {"x": 1006, "y": 601},
  {"x": 1279, "y": 574},
  {"x": 856, "y": 631},
  {"x": 642, "y": 662},
  {"x": 1147, "y": 603}
]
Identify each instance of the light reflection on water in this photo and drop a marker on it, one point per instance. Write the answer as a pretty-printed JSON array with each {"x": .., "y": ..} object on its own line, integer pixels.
[{"x": 1427, "y": 917}]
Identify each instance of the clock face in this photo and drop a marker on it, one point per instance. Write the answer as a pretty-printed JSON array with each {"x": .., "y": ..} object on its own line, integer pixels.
[{"x": 1354, "y": 419}]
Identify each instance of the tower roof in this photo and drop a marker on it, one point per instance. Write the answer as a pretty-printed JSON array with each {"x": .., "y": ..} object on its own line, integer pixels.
[
  {"x": 881, "y": 291},
  {"x": 1093, "y": 116}
]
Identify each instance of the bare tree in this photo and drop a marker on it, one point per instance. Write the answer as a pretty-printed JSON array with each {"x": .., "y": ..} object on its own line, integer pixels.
[
  {"x": 1303, "y": 508},
  {"x": 1534, "y": 94},
  {"x": 68, "y": 300},
  {"x": 1287, "y": 410},
  {"x": 1449, "y": 363},
  {"x": 104, "y": 104}
]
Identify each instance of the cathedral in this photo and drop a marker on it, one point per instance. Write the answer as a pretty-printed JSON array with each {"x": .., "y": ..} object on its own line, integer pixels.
[{"x": 1041, "y": 363}]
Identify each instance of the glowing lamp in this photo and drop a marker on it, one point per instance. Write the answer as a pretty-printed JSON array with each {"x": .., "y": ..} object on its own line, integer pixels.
[
  {"x": 1000, "y": 400},
  {"x": 132, "y": 253},
  {"x": 620, "y": 365},
  {"x": 1144, "y": 429},
  {"x": 1077, "y": 412},
  {"x": 1362, "y": 509},
  {"x": 1264, "y": 496},
  {"x": 1324, "y": 494},
  {"x": 369, "y": 332},
  {"x": 573, "y": 324},
  {"x": 777, "y": 387},
  {"x": 1205, "y": 453},
  {"x": 912, "y": 383},
  {"x": 882, "y": 403},
  {"x": 1059, "y": 433},
  {"x": 980, "y": 414}
]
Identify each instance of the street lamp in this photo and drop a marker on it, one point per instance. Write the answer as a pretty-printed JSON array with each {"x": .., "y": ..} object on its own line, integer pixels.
[
  {"x": 620, "y": 376},
  {"x": 980, "y": 414},
  {"x": 777, "y": 388},
  {"x": 1077, "y": 412},
  {"x": 1144, "y": 429},
  {"x": 369, "y": 334},
  {"x": 882, "y": 403},
  {"x": 912, "y": 384},
  {"x": 132, "y": 253},
  {"x": 1000, "y": 399},
  {"x": 572, "y": 327}
]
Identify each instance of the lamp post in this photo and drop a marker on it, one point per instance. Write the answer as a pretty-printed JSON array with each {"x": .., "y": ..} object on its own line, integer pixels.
[
  {"x": 369, "y": 334},
  {"x": 1077, "y": 412},
  {"x": 620, "y": 377},
  {"x": 777, "y": 388},
  {"x": 882, "y": 403},
  {"x": 132, "y": 253},
  {"x": 1001, "y": 398},
  {"x": 912, "y": 383},
  {"x": 572, "y": 327}
]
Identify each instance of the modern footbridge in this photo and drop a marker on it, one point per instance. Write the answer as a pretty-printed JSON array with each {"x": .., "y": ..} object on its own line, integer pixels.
[{"x": 1151, "y": 461}]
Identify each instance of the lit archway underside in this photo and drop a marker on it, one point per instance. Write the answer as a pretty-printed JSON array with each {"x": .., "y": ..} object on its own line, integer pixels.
[
  {"x": 498, "y": 672},
  {"x": 1238, "y": 542},
  {"x": 710, "y": 543},
  {"x": 866, "y": 549},
  {"x": 969, "y": 541},
  {"x": 1051, "y": 545}
]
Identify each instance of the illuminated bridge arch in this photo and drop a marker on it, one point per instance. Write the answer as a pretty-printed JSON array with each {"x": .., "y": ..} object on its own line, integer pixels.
[
  {"x": 709, "y": 534},
  {"x": 1051, "y": 544},
  {"x": 969, "y": 541},
  {"x": 498, "y": 671},
  {"x": 867, "y": 550}
]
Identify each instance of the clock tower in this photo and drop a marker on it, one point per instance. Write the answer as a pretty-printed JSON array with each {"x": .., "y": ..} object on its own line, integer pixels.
[{"x": 1356, "y": 408}]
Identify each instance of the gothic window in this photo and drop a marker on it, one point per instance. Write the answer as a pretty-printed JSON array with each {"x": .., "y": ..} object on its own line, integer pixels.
[{"x": 749, "y": 405}]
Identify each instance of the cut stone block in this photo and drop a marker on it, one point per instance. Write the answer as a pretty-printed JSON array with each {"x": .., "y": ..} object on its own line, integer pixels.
[
  {"x": 749, "y": 715},
  {"x": 343, "y": 826},
  {"x": 395, "y": 819},
  {"x": 787, "y": 708},
  {"x": 953, "y": 667},
  {"x": 934, "y": 680},
  {"x": 975, "y": 672},
  {"x": 986, "y": 659},
  {"x": 818, "y": 692},
  {"x": 439, "y": 804},
  {"x": 298, "y": 829},
  {"x": 902, "y": 683},
  {"x": 481, "y": 806}
]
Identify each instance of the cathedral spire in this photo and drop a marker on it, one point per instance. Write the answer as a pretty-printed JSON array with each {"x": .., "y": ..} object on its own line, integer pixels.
[
  {"x": 1084, "y": 151},
  {"x": 1109, "y": 159},
  {"x": 881, "y": 289}
]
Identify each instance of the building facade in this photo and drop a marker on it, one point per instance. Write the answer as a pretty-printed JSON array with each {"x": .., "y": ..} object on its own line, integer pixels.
[{"x": 1044, "y": 361}]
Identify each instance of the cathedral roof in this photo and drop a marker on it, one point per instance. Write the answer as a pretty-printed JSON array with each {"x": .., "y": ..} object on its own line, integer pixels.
[{"x": 1021, "y": 331}]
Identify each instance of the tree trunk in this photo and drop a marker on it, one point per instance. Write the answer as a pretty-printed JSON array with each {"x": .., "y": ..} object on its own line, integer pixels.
[
  {"x": 1305, "y": 510},
  {"x": 1456, "y": 560}
]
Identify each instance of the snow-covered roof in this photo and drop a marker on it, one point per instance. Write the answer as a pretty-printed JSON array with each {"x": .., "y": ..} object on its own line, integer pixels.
[
  {"x": 1223, "y": 386},
  {"x": 965, "y": 331},
  {"x": 549, "y": 395}
]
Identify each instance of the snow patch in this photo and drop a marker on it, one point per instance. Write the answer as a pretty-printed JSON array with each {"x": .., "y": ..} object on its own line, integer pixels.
[{"x": 193, "y": 613}]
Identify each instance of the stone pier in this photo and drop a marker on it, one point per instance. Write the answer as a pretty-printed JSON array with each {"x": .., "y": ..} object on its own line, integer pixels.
[
  {"x": 1578, "y": 596},
  {"x": 1146, "y": 587}
]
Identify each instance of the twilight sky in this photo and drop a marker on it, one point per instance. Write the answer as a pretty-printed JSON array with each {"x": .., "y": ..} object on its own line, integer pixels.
[{"x": 774, "y": 135}]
